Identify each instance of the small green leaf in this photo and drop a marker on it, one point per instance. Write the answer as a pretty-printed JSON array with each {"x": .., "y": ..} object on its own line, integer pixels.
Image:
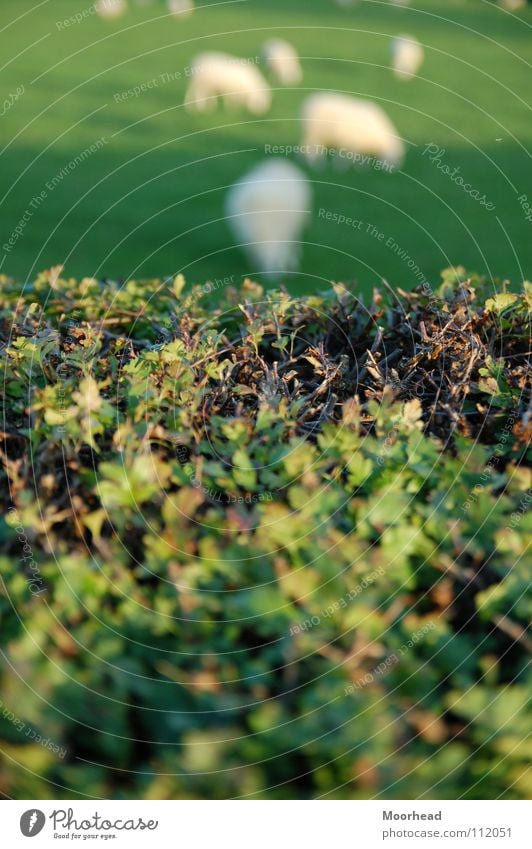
[{"x": 501, "y": 302}]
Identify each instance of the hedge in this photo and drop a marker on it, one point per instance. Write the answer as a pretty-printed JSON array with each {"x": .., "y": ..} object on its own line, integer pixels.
[{"x": 259, "y": 546}]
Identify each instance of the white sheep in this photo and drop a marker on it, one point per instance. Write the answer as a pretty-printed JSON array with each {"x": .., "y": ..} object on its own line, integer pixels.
[
  {"x": 282, "y": 61},
  {"x": 267, "y": 211},
  {"x": 512, "y": 5},
  {"x": 181, "y": 8},
  {"x": 110, "y": 9},
  {"x": 351, "y": 127},
  {"x": 235, "y": 80},
  {"x": 407, "y": 56}
]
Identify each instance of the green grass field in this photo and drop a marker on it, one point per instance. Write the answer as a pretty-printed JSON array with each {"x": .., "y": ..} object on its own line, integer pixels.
[{"x": 149, "y": 201}]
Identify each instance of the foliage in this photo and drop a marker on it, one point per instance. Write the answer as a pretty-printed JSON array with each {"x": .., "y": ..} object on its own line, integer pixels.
[{"x": 272, "y": 547}]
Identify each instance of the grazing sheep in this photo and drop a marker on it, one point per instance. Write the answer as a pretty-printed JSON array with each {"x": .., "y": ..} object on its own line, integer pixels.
[
  {"x": 110, "y": 9},
  {"x": 512, "y": 5},
  {"x": 282, "y": 61},
  {"x": 181, "y": 8},
  {"x": 407, "y": 56},
  {"x": 267, "y": 210},
  {"x": 237, "y": 82},
  {"x": 351, "y": 127}
]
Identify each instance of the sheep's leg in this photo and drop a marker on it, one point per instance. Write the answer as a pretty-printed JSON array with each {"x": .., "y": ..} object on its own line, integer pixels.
[
  {"x": 198, "y": 97},
  {"x": 314, "y": 150},
  {"x": 206, "y": 98}
]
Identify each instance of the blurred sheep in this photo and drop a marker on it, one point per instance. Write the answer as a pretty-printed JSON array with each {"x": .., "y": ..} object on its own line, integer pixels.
[
  {"x": 407, "y": 56},
  {"x": 267, "y": 211},
  {"x": 512, "y": 5},
  {"x": 110, "y": 9},
  {"x": 283, "y": 62},
  {"x": 237, "y": 82},
  {"x": 181, "y": 8},
  {"x": 351, "y": 127}
]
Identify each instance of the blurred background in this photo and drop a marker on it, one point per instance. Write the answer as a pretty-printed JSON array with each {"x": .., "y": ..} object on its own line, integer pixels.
[{"x": 139, "y": 184}]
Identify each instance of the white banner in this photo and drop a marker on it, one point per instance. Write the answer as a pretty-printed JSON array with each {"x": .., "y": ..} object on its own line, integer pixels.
[{"x": 267, "y": 824}]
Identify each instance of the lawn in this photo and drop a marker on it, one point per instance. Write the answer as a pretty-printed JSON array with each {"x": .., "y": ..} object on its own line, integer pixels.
[{"x": 148, "y": 200}]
